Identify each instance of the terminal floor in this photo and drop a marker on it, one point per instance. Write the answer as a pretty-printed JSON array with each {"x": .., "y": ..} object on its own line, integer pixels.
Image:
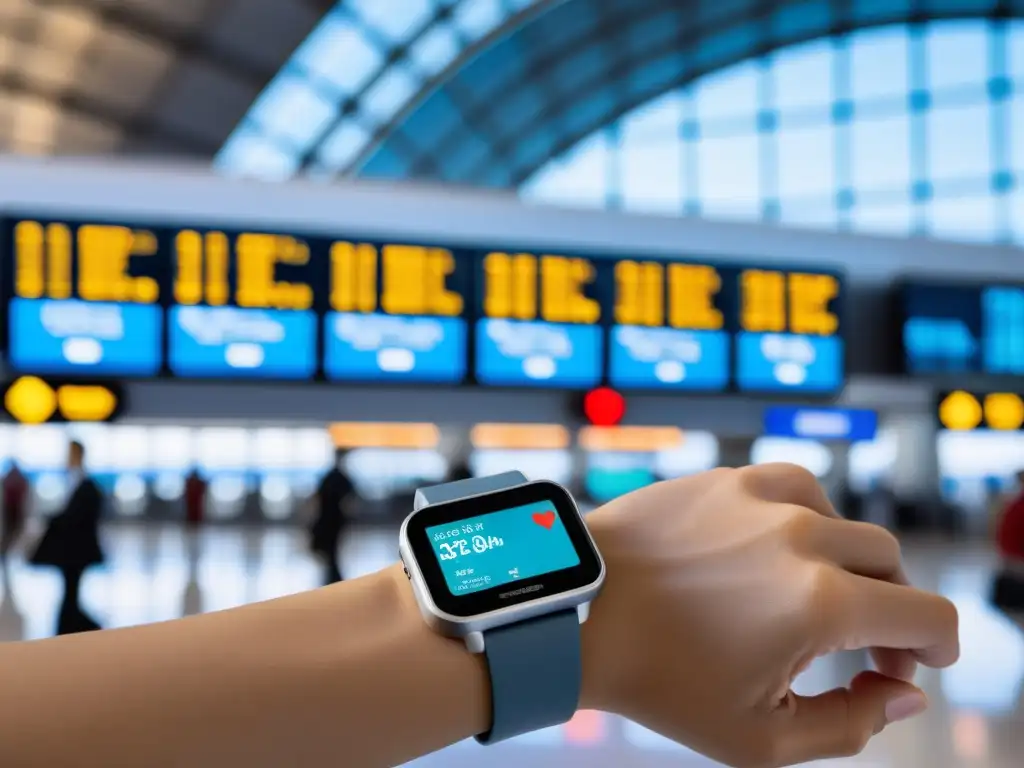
[{"x": 156, "y": 573}]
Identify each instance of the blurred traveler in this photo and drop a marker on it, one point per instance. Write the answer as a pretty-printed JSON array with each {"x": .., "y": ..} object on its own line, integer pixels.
[
  {"x": 71, "y": 542},
  {"x": 459, "y": 471},
  {"x": 195, "y": 499},
  {"x": 1008, "y": 589},
  {"x": 332, "y": 499},
  {"x": 15, "y": 491}
]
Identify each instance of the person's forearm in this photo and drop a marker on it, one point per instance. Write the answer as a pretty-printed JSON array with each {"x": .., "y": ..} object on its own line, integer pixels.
[{"x": 347, "y": 675}]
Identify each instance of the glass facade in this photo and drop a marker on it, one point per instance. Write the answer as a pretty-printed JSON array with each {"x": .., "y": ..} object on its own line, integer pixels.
[
  {"x": 365, "y": 62},
  {"x": 895, "y": 130},
  {"x": 729, "y": 110}
]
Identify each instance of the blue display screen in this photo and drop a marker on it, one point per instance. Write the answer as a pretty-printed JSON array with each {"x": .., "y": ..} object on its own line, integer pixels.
[
  {"x": 772, "y": 362},
  {"x": 68, "y": 336},
  {"x": 949, "y": 329},
  {"x": 388, "y": 347},
  {"x": 845, "y": 424},
  {"x": 225, "y": 342},
  {"x": 510, "y": 353},
  {"x": 501, "y": 547},
  {"x": 651, "y": 358}
]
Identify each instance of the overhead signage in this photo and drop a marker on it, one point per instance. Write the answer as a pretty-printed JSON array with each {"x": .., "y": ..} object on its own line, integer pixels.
[
  {"x": 32, "y": 400},
  {"x": 966, "y": 411},
  {"x": 957, "y": 329},
  {"x": 132, "y": 298},
  {"x": 840, "y": 424}
]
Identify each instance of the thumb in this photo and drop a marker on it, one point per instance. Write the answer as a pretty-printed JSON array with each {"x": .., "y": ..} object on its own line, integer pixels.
[{"x": 840, "y": 723}]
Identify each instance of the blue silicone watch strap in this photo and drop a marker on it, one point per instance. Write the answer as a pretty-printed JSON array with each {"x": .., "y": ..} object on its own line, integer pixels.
[
  {"x": 536, "y": 674},
  {"x": 535, "y": 665}
]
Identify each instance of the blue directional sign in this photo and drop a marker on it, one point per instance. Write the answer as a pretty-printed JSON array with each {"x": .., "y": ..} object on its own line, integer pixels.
[
  {"x": 538, "y": 354},
  {"x": 226, "y": 342},
  {"x": 387, "y": 347},
  {"x": 785, "y": 362},
  {"x": 69, "y": 336},
  {"x": 845, "y": 424},
  {"x": 666, "y": 358}
]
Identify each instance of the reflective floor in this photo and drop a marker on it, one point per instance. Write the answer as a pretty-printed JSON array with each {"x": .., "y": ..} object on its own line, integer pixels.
[{"x": 976, "y": 719}]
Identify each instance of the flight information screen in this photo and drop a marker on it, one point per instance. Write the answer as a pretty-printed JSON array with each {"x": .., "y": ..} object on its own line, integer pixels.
[
  {"x": 699, "y": 327},
  {"x": 130, "y": 298},
  {"x": 396, "y": 312},
  {"x": 539, "y": 321},
  {"x": 84, "y": 298},
  {"x": 954, "y": 329}
]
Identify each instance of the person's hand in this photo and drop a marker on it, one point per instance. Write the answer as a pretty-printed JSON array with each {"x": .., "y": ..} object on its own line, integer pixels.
[{"x": 723, "y": 587}]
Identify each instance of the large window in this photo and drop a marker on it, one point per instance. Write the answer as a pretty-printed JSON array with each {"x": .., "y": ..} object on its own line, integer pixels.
[
  {"x": 896, "y": 130},
  {"x": 360, "y": 67}
]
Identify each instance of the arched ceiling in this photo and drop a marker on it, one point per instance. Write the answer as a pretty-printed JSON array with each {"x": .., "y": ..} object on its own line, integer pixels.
[
  {"x": 139, "y": 76},
  {"x": 528, "y": 94}
]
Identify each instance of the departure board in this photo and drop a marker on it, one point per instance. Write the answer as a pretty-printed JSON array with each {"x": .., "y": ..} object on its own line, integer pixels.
[
  {"x": 957, "y": 329},
  {"x": 84, "y": 298},
  {"x": 132, "y": 298},
  {"x": 692, "y": 326},
  {"x": 396, "y": 312},
  {"x": 539, "y": 321},
  {"x": 242, "y": 305}
]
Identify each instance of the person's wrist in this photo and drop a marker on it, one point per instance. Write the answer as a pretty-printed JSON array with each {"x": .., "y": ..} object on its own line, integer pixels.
[{"x": 599, "y": 663}]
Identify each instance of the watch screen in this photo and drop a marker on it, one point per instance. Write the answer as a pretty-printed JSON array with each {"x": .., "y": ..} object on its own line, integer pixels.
[
  {"x": 487, "y": 552},
  {"x": 501, "y": 547}
]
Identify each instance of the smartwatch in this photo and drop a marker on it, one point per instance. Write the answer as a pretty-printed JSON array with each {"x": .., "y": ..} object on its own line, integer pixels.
[{"x": 507, "y": 566}]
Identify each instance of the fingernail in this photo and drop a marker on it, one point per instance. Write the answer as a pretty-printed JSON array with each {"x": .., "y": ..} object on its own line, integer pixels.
[{"x": 905, "y": 707}]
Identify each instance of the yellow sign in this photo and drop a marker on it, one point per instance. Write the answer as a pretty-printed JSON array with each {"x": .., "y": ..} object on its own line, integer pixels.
[
  {"x": 86, "y": 403},
  {"x": 640, "y": 295},
  {"x": 30, "y": 400},
  {"x": 523, "y": 286},
  {"x": 413, "y": 279},
  {"x": 964, "y": 411},
  {"x": 45, "y": 254},
  {"x": 1004, "y": 411}
]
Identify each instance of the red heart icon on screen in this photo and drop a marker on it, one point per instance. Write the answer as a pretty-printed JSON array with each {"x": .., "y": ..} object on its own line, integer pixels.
[{"x": 544, "y": 519}]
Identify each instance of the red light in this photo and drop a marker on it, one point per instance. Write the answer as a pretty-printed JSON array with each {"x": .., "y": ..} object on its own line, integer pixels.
[{"x": 604, "y": 407}]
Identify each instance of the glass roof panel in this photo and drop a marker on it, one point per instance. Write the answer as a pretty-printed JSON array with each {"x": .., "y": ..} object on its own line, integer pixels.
[
  {"x": 394, "y": 19},
  {"x": 434, "y": 50},
  {"x": 478, "y": 17},
  {"x": 340, "y": 53},
  {"x": 292, "y": 111}
]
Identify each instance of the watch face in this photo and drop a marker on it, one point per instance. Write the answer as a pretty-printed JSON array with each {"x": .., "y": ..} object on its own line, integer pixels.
[{"x": 501, "y": 549}]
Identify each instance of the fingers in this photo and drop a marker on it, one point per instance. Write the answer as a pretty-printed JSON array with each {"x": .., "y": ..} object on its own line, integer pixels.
[
  {"x": 787, "y": 484},
  {"x": 860, "y": 548},
  {"x": 841, "y": 722},
  {"x": 871, "y": 551},
  {"x": 879, "y": 614},
  {"x": 895, "y": 662}
]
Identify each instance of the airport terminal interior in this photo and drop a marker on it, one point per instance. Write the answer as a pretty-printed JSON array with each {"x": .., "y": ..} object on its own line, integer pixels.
[{"x": 606, "y": 243}]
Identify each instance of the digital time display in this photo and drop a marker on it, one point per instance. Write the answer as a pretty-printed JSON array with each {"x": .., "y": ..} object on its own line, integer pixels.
[
  {"x": 501, "y": 547},
  {"x": 539, "y": 321},
  {"x": 956, "y": 329}
]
